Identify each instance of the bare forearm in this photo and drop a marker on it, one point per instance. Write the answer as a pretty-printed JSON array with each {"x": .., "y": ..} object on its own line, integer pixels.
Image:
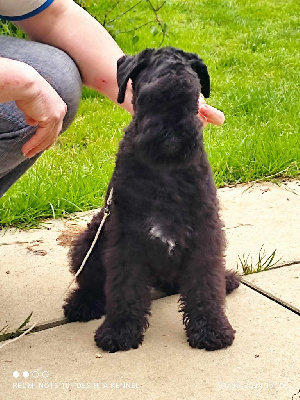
[
  {"x": 17, "y": 80},
  {"x": 67, "y": 26}
]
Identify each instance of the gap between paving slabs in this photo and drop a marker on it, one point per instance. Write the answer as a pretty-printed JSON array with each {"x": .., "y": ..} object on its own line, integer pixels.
[
  {"x": 271, "y": 297},
  {"x": 155, "y": 294},
  {"x": 277, "y": 284},
  {"x": 158, "y": 295}
]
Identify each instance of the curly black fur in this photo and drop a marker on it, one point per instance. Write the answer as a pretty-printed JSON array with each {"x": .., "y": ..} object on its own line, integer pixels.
[{"x": 164, "y": 229}]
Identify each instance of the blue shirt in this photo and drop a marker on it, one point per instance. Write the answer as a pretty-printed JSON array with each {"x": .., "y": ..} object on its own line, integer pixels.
[{"x": 16, "y": 10}]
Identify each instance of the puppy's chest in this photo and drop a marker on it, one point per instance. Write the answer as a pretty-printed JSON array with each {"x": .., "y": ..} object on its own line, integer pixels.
[
  {"x": 169, "y": 237},
  {"x": 157, "y": 231},
  {"x": 170, "y": 227},
  {"x": 163, "y": 206}
]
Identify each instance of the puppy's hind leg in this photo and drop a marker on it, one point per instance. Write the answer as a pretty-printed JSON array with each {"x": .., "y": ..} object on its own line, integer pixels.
[{"x": 87, "y": 301}]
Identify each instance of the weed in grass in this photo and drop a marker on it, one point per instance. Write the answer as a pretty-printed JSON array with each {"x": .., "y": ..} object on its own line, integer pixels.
[
  {"x": 4, "y": 335},
  {"x": 264, "y": 263}
]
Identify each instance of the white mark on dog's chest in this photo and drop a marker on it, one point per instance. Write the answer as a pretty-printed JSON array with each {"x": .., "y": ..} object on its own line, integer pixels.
[{"x": 156, "y": 232}]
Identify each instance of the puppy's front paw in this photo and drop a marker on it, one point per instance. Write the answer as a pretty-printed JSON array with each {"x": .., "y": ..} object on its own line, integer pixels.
[
  {"x": 210, "y": 336},
  {"x": 79, "y": 306},
  {"x": 118, "y": 336}
]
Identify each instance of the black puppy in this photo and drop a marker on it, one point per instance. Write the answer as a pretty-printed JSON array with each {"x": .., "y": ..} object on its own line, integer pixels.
[{"x": 164, "y": 229}]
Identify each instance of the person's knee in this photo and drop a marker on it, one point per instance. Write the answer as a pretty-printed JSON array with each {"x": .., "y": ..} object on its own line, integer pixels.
[
  {"x": 68, "y": 84},
  {"x": 63, "y": 75},
  {"x": 53, "y": 64}
]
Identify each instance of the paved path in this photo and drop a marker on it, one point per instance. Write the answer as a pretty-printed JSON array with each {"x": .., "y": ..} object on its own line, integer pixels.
[{"x": 62, "y": 362}]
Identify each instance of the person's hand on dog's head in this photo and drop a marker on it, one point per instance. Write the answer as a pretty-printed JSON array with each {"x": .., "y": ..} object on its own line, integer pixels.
[{"x": 209, "y": 114}]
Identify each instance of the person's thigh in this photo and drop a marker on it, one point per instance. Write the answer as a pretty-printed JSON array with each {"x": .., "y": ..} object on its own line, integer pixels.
[{"x": 62, "y": 74}]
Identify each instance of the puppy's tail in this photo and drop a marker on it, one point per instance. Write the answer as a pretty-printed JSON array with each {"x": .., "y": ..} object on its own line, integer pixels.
[{"x": 233, "y": 280}]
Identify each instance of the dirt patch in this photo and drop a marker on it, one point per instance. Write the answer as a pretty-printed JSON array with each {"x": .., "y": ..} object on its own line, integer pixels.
[{"x": 66, "y": 237}]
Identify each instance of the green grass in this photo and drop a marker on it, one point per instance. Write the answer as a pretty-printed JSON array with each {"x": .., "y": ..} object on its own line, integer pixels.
[
  {"x": 251, "y": 50},
  {"x": 264, "y": 263},
  {"x": 6, "y": 335}
]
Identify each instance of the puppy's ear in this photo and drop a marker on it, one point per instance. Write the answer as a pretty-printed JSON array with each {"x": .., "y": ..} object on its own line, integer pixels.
[
  {"x": 203, "y": 75},
  {"x": 201, "y": 69},
  {"x": 128, "y": 67}
]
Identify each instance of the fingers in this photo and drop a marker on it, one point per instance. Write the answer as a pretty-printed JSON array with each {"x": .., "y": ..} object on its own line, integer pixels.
[
  {"x": 211, "y": 114},
  {"x": 44, "y": 108},
  {"x": 43, "y": 139}
]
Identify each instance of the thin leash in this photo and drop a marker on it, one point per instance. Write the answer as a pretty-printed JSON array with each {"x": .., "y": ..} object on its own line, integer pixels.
[{"x": 106, "y": 214}]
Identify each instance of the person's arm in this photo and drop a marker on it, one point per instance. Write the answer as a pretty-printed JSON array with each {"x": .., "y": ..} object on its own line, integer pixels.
[
  {"x": 34, "y": 96},
  {"x": 67, "y": 26}
]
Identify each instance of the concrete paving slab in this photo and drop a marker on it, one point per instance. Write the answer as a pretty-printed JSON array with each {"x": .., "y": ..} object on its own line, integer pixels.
[
  {"x": 34, "y": 272},
  {"x": 64, "y": 363},
  {"x": 259, "y": 214},
  {"x": 34, "y": 265},
  {"x": 283, "y": 283}
]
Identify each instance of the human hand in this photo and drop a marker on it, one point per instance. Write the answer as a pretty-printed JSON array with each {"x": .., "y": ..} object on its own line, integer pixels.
[
  {"x": 209, "y": 114},
  {"x": 39, "y": 102},
  {"x": 35, "y": 97},
  {"x": 43, "y": 107}
]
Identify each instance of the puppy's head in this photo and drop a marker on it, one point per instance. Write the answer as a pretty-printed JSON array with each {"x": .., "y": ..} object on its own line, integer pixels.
[{"x": 166, "y": 84}]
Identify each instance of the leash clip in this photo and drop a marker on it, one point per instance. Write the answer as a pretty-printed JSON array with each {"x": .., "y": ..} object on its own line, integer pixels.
[{"x": 107, "y": 210}]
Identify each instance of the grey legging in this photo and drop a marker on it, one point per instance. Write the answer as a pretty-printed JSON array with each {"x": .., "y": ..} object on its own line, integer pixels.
[{"x": 62, "y": 74}]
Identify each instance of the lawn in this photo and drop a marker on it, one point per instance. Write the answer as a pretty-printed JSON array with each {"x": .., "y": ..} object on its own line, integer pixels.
[{"x": 251, "y": 49}]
